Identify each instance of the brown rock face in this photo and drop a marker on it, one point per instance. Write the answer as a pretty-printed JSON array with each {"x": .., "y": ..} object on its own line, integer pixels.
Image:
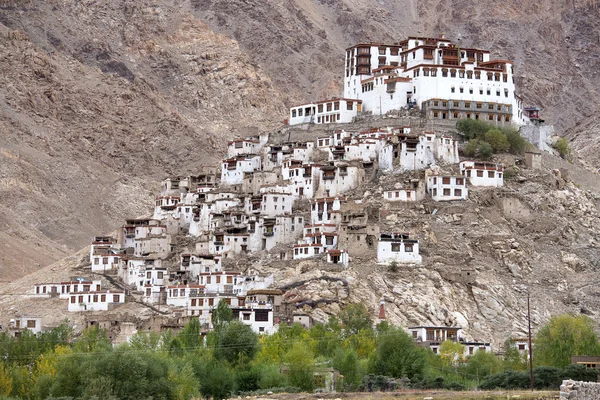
[{"x": 98, "y": 100}]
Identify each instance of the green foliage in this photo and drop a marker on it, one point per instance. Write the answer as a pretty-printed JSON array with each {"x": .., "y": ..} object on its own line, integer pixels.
[
  {"x": 497, "y": 140},
  {"x": 91, "y": 339},
  {"x": 221, "y": 315},
  {"x": 562, "y": 146},
  {"x": 397, "y": 356},
  {"x": 565, "y": 336},
  {"x": 6, "y": 381},
  {"x": 236, "y": 343},
  {"x": 482, "y": 364},
  {"x": 578, "y": 372},
  {"x": 517, "y": 143},
  {"x": 191, "y": 335},
  {"x": 218, "y": 382},
  {"x": 347, "y": 362},
  {"x": 393, "y": 267},
  {"x": 485, "y": 139},
  {"x": 271, "y": 377},
  {"x": 472, "y": 128},
  {"x": 248, "y": 380},
  {"x": 301, "y": 366},
  {"x": 485, "y": 150},
  {"x": 506, "y": 380},
  {"x": 512, "y": 359},
  {"x": 355, "y": 318},
  {"x": 452, "y": 353}
]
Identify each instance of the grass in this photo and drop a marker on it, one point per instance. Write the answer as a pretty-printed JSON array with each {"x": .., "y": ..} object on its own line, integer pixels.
[{"x": 420, "y": 395}]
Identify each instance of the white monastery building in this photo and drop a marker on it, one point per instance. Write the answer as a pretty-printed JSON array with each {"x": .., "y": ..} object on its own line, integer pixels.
[
  {"x": 483, "y": 174},
  {"x": 447, "y": 188},
  {"x": 443, "y": 79}
]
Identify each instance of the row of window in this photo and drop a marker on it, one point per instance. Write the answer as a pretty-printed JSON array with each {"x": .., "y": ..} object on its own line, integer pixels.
[
  {"x": 94, "y": 298},
  {"x": 457, "y": 115},
  {"x": 453, "y": 73},
  {"x": 408, "y": 247},
  {"x": 447, "y": 192},
  {"x": 468, "y": 104}
]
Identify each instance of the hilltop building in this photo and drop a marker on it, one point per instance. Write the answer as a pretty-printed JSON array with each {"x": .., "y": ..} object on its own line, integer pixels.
[{"x": 443, "y": 79}]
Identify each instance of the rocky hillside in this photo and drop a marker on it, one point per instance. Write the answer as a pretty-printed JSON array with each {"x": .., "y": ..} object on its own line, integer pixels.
[{"x": 97, "y": 105}]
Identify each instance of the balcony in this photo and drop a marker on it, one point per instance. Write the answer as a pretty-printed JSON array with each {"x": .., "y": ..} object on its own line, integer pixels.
[
  {"x": 328, "y": 177},
  {"x": 268, "y": 233},
  {"x": 219, "y": 243}
]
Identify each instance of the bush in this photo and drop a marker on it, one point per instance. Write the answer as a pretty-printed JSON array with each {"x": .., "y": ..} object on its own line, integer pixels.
[
  {"x": 547, "y": 377},
  {"x": 517, "y": 143},
  {"x": 485, "y": 150},
  {"x": 497, "y": 140},
  {"x": 579, "y": 372},
  {"x": 472, "y": 128},
  {"x": 506, "y": 380},
  {"x": 562, "y": 146}
]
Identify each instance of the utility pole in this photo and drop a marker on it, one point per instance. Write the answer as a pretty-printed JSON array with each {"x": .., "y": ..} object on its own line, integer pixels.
[{"x": 530, "y": 347}]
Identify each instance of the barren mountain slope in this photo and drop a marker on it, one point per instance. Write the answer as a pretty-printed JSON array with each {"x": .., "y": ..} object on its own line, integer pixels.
[
  {"x": 81, "y": 148},
  {"x": 554, "y": 44}
]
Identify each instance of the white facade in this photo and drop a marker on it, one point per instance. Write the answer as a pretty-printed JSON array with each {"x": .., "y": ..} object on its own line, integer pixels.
[
  {"x": 324, "y": 210},
  {"x": 483, "y": 174},
  {"x": 18, "y": 324},
  {"x": 447, "y": 188},
  {"x": 414, "y": 191},
  {"x": 416, "y": 70},
  {"x": 395, "y": 247},
  {"x": 64, "y": 289},
  {"x": 95, "y": 301},
  {"x": 240, "y": 147},
  {"x": 334, "y": 111},
  {"x": 435, "y": 333},
  {"x": 233, "y": 169}
]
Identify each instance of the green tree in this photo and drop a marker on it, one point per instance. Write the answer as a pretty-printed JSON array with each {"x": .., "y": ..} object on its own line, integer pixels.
[
  {"x": 497, "y": 140},
  {"x": 6, "y": 381},
  {"x": 485, "y": 150},
  {"x": 562, "y": 146},
  {"x": 221, "y": 315},
  {"x": 512, "y": 359},
  {"x": 472, "y": 128},
  {"x": 482, "y": 364},
  {"x": 347, "y": 362},
  {"x": 301, "y": 365},
  {"x": 191, "y": 335},
  {"x": 92, "y": 338},
  {"x": 565, "y": 336},
  {"x": 396, "y": 355},
  {"x": 236, "y": 343},
  {"x": 355, "y": 318},
  {"x": 517, "y": 143},
  {"x": 452, "y": 353},
  {"x": 471, "y": 148},
  {"x": 218, "y": 382}
]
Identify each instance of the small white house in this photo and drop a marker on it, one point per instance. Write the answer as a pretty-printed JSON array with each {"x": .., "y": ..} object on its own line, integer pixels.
[
  {"x": 483, "y": 174},
  {"x": 446, "y": 188},
  {"x": 95, "y": 301},
  {"x": 334, "y": 111},
  {"x": 397, "y": 247},
  {"x": 413, "y": 191},
  {"x": 435, "y": 333},
  {"x": 240, "y": 147},
  {"x": 18, "y": 324},
  {"x": 338, "y": 257}
]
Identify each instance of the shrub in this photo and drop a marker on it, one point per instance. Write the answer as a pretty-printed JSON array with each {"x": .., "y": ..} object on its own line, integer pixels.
[
  {"x": 562, "y": 146},
  {"x": 497, "y": 140},
  {"x": 471, "y": 148},
  {"x": 472, "y": 128},
  {"x": 517, "y": 143},
  {"x": 485, "y": 150}
]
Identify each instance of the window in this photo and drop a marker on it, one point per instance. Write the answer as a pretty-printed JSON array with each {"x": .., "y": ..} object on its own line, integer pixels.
[
  {"x": 396, "y": 247},
  {"x": 320, "y": 108},
  {"x": 435, "y": 114},
  {"x": 491, "y": 117},
  {"x": 491, "y": 174},
  {"x": 72, "y": 299},
  {"x": 408, "y": 248},
  {"x": 479, "y": 105},
  {"x": 459, "y": 181},
  {"x": 458, "y": 192},
  {"x": 445, "y": 180},
  {"x": 293, "y": 113},
  {"x": 160, "y": 275},
  {"x": 467, "y": 104},
  {"x": 246, "y": 317},
  {"x": 299, "y": 112},
  {"x": 31, "y": 323},
  {"x": 105, "y": 260},
  {"x": 455, "y": 115},
  {"x": 461, "y": 74},
  {"x": 349, "y": 105},
  {"x": 229, "y": 279},
  {"x": 446, "y": 192},
  {"x": 329, "y": 106},
  {"x": 461, "y": 89},
  {"x": 488, "y": 91},
  {"x": 452, "y": 89},
  {"x": 95, "y": 298},
  {"x": 211, "y": 302},
  {"x": 336, "y": 105},
  {"x": 96, "y": 261},
  {"x": 480, "y": 174},
  {"x": 434, "y": 72}
]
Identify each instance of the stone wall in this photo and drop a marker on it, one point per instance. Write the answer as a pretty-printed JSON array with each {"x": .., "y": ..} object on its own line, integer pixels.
[{"x": 579, "y": 390}]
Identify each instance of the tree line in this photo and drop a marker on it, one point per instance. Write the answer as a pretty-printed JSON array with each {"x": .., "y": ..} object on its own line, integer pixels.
[{"x": 233, "y": 360}]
